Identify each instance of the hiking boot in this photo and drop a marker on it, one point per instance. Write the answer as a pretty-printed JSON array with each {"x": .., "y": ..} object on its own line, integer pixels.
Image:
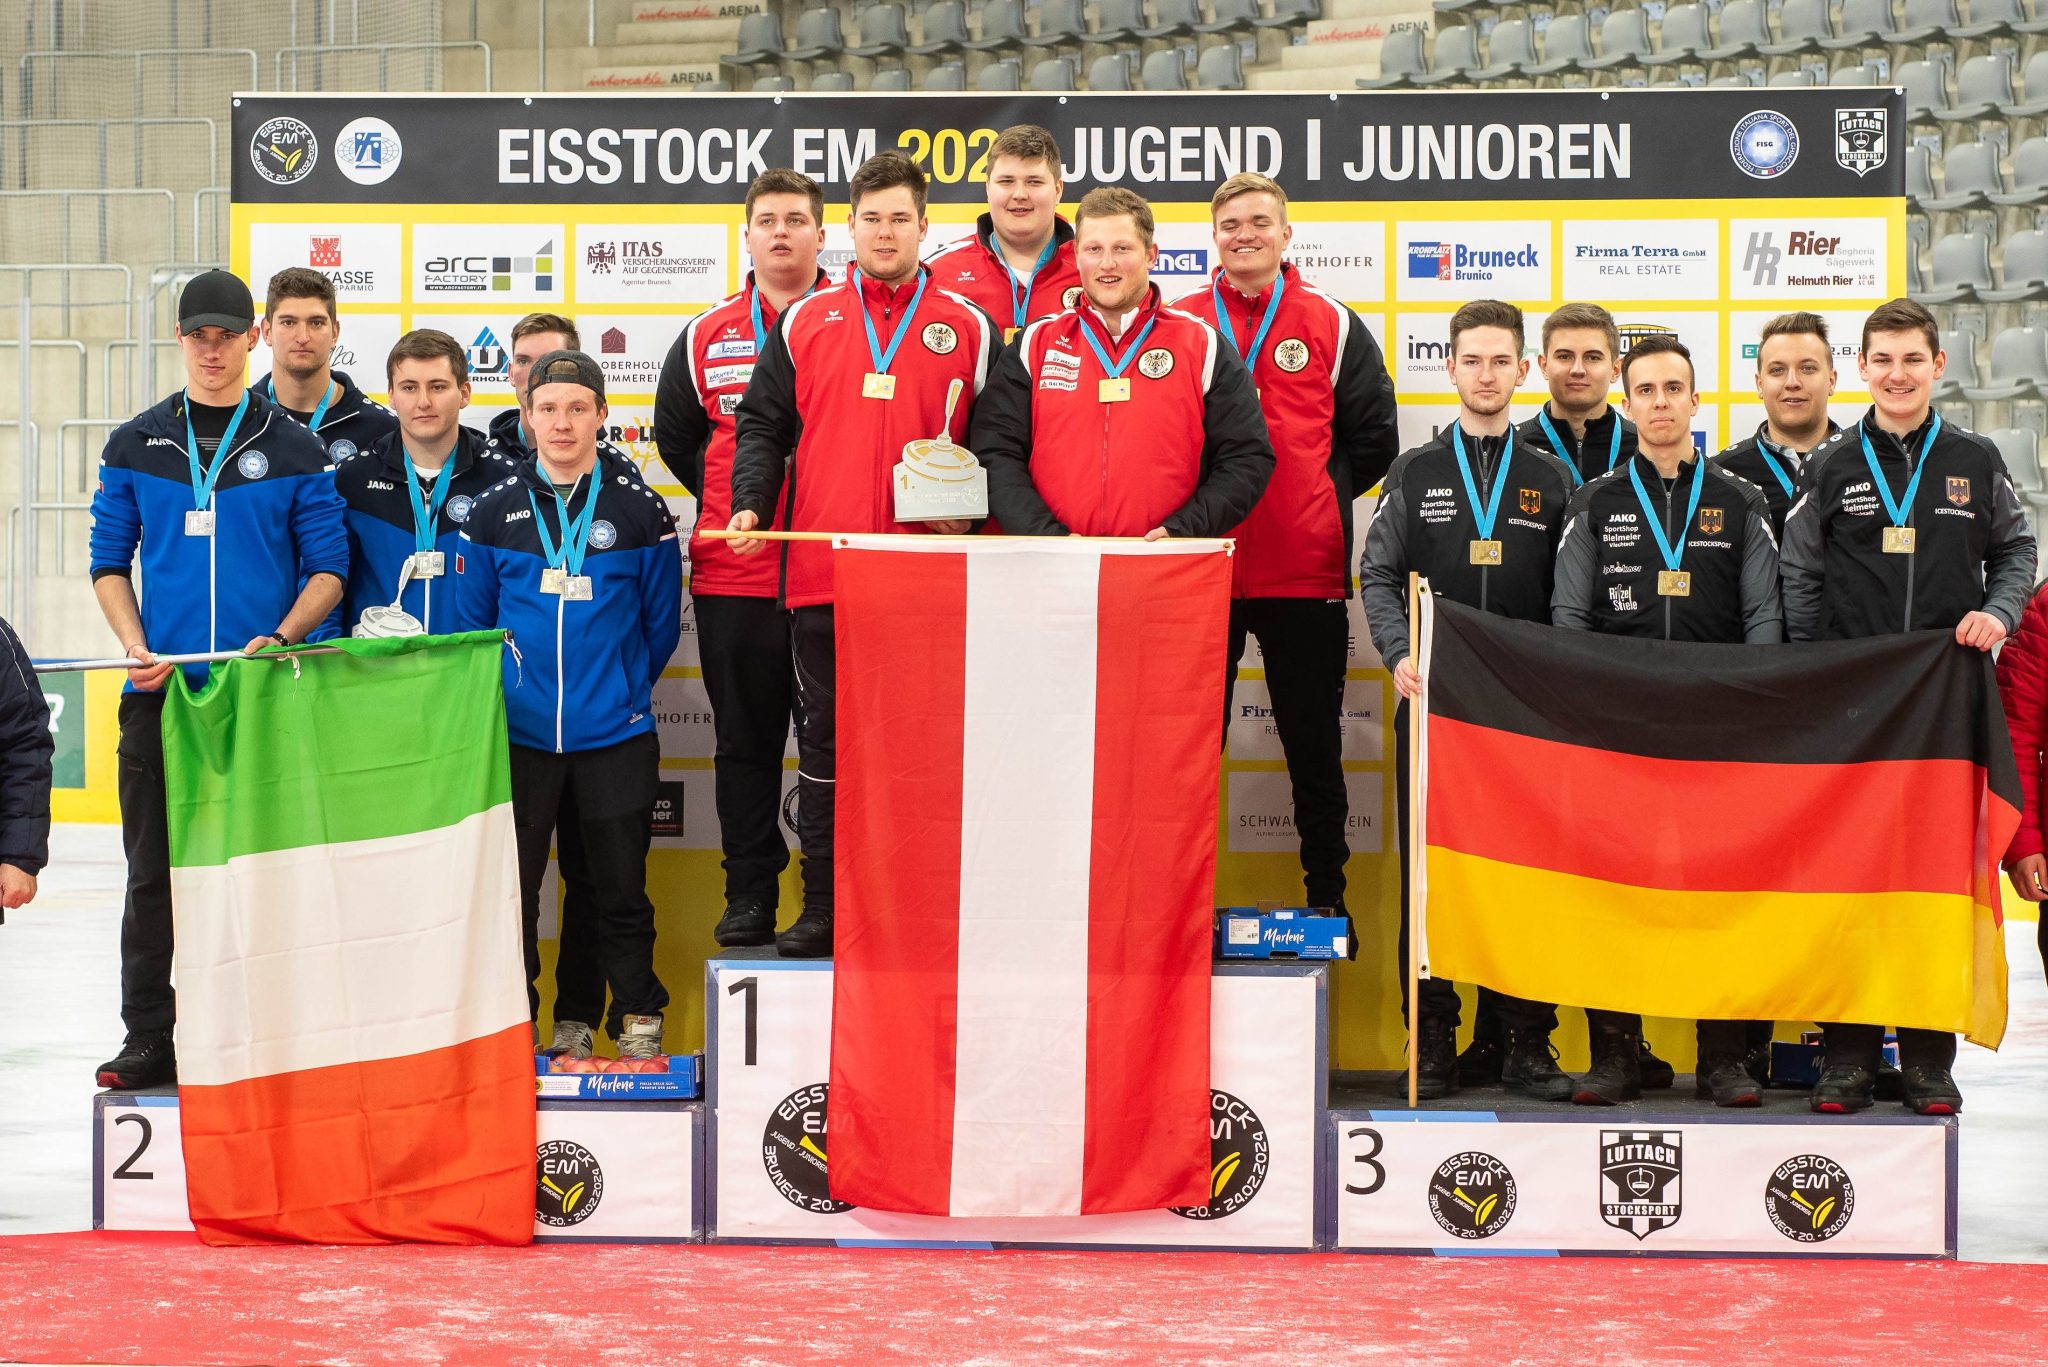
[
  {"x": 572, "y": 1040},
  {"x": 1479, "y": 1065},
  {"x": 1890, "y": 1084},
  {"x": 147, "y": 1059},
  {"x": 1436, "y": 1061},
  {"x": 1757, "y": 1063},
  {"x": 1930, "y": 1089},
  {"x": 1655, "y": 1072},
  {"x": 809, "y": 938},
  {"x": 1529, "y": 1067},
  {"x": 640, "y": 1037},
  {"x": 1843, "y": 1089},
  {"x": 1617, "y": 1072},
  {"x": 747, "y": 921},
  {"x": 1723, "y": 1080}
]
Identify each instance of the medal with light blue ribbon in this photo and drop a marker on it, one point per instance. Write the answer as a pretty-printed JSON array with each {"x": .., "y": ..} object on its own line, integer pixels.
[
  {"x": 428, "y": 563},
  {"x": 1557, "y": 444},
  {"x": 1020, "y": 290},
  {"x": 1898, "y": 538},
  {"x": 564, "y": 573},
  {"x": 199, "y": 522},
  {"x": 1485, "y": 550},
  {"x": 1117, "y": 389},
  {"x": 879, "y": 383},
  {"x": 319, "y": 410},
  {"x": 1672, "y": 582},
  {"x": 1771, "y": 458},
  {"x": 1223, "y": 324}
]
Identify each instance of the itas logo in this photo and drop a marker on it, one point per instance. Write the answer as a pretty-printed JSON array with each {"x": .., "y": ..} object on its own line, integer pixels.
[
  {"x": 488, "y": 357},
  {"x": 1183, "y": 261},
  {"x": 323, "y": 252},
  {"x": 1240, "y": 1155},
  {"x": 1429, "y": 260},
  {"x": 601, "y": 257}
]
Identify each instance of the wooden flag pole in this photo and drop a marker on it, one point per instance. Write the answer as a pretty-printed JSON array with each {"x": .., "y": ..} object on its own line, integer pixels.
[
  {"x": 724, "y": 534},
  {"x": 1414, "y": 965}
]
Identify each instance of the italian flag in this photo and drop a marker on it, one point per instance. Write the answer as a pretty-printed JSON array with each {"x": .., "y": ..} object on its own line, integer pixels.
[{"x": 354, "y": 1054}]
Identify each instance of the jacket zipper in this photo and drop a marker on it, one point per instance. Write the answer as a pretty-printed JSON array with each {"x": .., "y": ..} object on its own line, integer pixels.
[
  {"x": 1485, "y": 491},
  {"x": 1908, "y": 624},
  {"x": 1667, "y": 529},
  {"x": 561, "y": 606}
]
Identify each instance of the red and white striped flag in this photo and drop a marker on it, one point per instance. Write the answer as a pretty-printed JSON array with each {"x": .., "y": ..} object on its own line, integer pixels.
[{"x": 1026, "y": 848}]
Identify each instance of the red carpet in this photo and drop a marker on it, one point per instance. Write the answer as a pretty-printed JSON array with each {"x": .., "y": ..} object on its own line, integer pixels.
[{"x": 162, "y": 1299}]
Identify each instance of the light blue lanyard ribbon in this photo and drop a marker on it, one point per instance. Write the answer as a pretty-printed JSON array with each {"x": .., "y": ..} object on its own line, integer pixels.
[
  {"x": 1020, "y": 290},
  {"x": 204, "y": 478},
  {"x": 1557, "y": 444},
  {"x": 1487, "y": 516},
  {"x": 1771, "y": 459},
  {"x": 1898, "y": 511},
  {"x": 575, "y": 535},
  {"x": 754, "y": 306},
  {"x": 426, "y": 511},
  {"x": 883, "y": 359},
  {"x": 1137, "y": 344},
  {"x": 1223, "y": 324},
  {"x": 1672, "y": 554},
  {"x": 319, "y": 411}
]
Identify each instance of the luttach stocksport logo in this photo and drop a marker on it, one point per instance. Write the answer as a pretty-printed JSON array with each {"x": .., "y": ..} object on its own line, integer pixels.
[
  {"x": 1640, "y": 1174},
  {"x": 568, "y": 1184},
  {"x": 284, "y": 151},
  {"x": 1472, "y": 1195},
  {"x": 793, "y": 1151},
  {"x": 1240, "y": 1155},
  {"x": 1810, "y": 1198}
]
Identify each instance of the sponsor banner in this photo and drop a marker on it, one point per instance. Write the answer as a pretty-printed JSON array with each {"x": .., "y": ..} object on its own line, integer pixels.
[
  {"x": 1259, "y": 812},
  {"x": 1699, "y": 329},
  {"x": 1455, "y": 260},
  {"x": 1610, "y": 259},
  {"x": 629, "y": 348},
  {"x": 1419, "y": 146},
  {"x": 771, "y": 1042},
  {"x": 650, "y": 263},
  {"x": 360, "y": 350},
  {"x": 1643, "y": 1182},
  {"x": 486, "y": 340},
  {"x": 1845, "y": 339},
  {"x": 686, "y": 809},
  {"x": 511, "y": 263},
  {"x": 1252, "y": 734},
  {"x": 618, "y": 1171},
  {"x": 682, "y": 717},
  {"x": 1743, "y": 418},
  {"x": 364, "y": 261},
  {"x": 1825, "y": 258},
  {"x": 1345, "y": 259}
]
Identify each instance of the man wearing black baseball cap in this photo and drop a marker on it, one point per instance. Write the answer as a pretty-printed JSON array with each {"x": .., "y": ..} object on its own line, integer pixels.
[
  {"x": 578, "y": 561},
  {"x": 231, "y": 505}
]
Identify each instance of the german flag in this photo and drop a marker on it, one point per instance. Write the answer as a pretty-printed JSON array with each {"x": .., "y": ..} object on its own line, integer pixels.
[{"x": 1801, "y": 832}]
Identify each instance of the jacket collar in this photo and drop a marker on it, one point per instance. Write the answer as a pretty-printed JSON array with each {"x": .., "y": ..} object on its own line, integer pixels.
[
  {"x": 1764, "y": 442},
  {"x": 985, "y": 233},
  {"x": 1884, "y": 442},
  {"x": 1091, "y": 319},
  {"x": 389, "y": 451},
  {"x": 167, "y": 418}
]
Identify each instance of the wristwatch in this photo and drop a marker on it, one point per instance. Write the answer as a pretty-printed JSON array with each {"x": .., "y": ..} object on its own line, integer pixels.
[{"x": 278, "y": 637}]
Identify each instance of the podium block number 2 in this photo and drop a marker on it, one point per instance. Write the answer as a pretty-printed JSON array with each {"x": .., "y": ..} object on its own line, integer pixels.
[{"x": 127, "y": 1171}]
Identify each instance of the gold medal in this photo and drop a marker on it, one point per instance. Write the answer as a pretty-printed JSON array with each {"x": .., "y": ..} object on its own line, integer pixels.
[
  {"x": 1674, "y": 583},
  {"x": 873, "y": 386},
  {"x": 553, "y": 580},
  {"x": 1113, "y": 391},
  {"x": 1898, "y": 540},
  {"x": 1010, "y": 335},
  {"x": 1486, "y": 552}
]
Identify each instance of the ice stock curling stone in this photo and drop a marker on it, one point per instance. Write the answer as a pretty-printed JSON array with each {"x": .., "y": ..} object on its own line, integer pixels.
[{"x": 938, "y": 479}]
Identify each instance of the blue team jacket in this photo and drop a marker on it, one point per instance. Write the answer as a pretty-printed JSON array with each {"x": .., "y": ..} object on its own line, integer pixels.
[
  {"x": 583, "y": 674},
  {"x": 353, "y": 423},
  {"x": 380, "y": 531},
  {"x": 277, "y": 521}
]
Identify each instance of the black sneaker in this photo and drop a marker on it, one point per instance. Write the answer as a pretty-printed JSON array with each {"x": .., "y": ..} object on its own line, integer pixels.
[
  {"x": 747, "y": 921},
  {"x": 1479, "y": 1065},
  {"x": 1930, "y": 1089},
  {"x": 1529, "y": 1067},
  {"x": 1757, "y": 1063},
  {"x": 1725, "y": 1082},
  {"x": 1436, "y": 1061},
  {"x": 1616, "y": 1076},
  {"x": 1843, "y": 1089},
  {"x": 809, "y": 938},
  {"x": 1656, "y": 1074},
  {"x": 147, "y": 1059},
  {"x": 1891, "y": 1084}
]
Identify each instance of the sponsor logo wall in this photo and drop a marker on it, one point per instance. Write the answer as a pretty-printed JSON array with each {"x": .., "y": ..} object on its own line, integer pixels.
[{"x": 467, "y": 214}]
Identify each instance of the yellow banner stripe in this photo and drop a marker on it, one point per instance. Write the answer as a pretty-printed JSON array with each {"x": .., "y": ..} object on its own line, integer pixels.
[{"x": 1900, "y": 959}]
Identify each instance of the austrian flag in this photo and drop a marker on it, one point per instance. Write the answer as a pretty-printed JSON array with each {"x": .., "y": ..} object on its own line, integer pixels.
[{"x": 1026, "y": 847}]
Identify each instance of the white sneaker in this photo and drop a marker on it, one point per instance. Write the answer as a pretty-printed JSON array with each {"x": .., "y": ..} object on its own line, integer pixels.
[
  {"x": 640, "y": 1037},
  {"x": 572, "y": 1040}
]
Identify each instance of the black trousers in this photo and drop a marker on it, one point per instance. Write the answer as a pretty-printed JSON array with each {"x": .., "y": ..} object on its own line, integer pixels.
[
  {"x": 816, "y": 658},
  {"x": 613, "y": 791},
  {"x": 750, "y": 677},
  {"x": 579, "y": 962},
  {"x": 1439, "y": 997},
  {"x": 1305, "y": 642},
  {"x": 1731, "y": 1038},
  {"x": 1864, "y": 1045},
  {"x": 146, "y": 1000}
]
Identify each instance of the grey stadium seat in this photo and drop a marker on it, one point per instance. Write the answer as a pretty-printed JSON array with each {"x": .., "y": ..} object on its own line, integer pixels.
[
  {"x": 1060, "y": 23},
  {"x": 2018, "y": 369},
  {"x": 882, "y": 32},
  {"x": 774, "y": 85},
  {"x": 953, "y": 76},
  {"x": 1803, "y": 26},
  {"x": 1969, "y": 177},
  {"x": 1926, "y": 89},
  {"x": 1117, "y": 21},
  {"x": 1566, "y": 43},
  {"x": 2023, "y": 275},
  {"x": 1164, "y": 71},
  {"x": 1624, "y": 38},
  {"x": 833, "y": 82},
  {"x": 1111, "y": 71},
  {"x": 1401, "y": 61},
  {"x": 2028, "y": 184},
  {"x": 895, "y": 78},
  {"x": 1456, "y": 56},
  {"x": 1919, "y": 175},
  {"x": 1797, "y": 76},
  {"x": 1053, "y": 73},
  {"x": 1961, "y": 371},
  {"x": 1291, "y": 14},
  {"x": 1683, "y": 38},
  {"x": 1007, "y": 74},
  {"x": 1993, "y": 19},
  {"x": 1172, "y": 19},
  {"x": 1924, "y": 21},
  {"x": 1231, "y": 16},
  {"x": 1862, "y": 73},
  {"x": 944, "y": 30},
  {"x": 759, "y": 43},
  {"x": 1961, "y": 266},
  {"x": 1862, "y": 23},
  {"x": 1510, "y": 47},
  {"x": 2020, "y": 449},
  {"x": 817, "y": 36},
  {"x": 1218, "y": 68},
  {"x": 2033, "y": 100},
  {"x": 1983, "y": 87},
  {"x": 1745, "y": 27},
  {"x": 1002, "y": 26}
]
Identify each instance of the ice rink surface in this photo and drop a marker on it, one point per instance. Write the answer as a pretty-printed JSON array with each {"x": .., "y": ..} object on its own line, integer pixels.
[{"x": 60, "y": 1016}]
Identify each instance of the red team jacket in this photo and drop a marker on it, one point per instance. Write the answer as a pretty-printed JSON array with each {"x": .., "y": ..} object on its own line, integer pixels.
[
  {"x": 1187, "y": 451},
  {"x": 973, "y": 267},
  {"x": 701, "y": 382},
  {"x": 1329, "y": 408},
  {"x": 805, "y": 397}
]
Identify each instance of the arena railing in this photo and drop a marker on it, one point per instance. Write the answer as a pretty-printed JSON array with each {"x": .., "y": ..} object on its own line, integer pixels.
[
  {"x": 383, "y": 52},
  {"x": 25, "y": 129}
]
